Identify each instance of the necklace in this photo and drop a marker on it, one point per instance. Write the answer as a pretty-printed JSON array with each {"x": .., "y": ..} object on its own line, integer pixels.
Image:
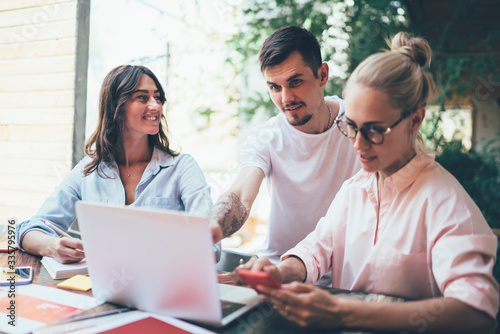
[
  {"x": 130, "y": 172},
  {"x": 329, "y": 117}
]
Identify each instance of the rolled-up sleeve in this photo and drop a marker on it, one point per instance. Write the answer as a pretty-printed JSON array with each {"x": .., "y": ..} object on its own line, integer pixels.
[
  {"x": 462, "y": 267},
  {"x": 58, "y": 208},
  {"x": 195, "y": 193},
  {"x": 194, "y": 190},
  {"x": 463, "y": 251},
  {"x": 317, "y": 248}
]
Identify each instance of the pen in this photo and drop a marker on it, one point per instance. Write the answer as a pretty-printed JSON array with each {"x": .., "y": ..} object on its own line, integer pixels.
[
  {"x": 101, "y": 314},
  {"x": 81, "y": 322},
  {"x": 57, "y": 229}
]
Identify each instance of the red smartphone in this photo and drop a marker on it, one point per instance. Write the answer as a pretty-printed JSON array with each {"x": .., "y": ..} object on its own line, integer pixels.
[{"x": 254, "y": 278}]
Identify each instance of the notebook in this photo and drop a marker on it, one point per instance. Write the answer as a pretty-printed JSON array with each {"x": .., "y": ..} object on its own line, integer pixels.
[
  {"x": 158, "y": 261},
  {"x": 58, "y": 270}
]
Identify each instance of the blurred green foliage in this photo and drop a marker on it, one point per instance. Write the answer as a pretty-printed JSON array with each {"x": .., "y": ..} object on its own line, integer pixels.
[
  {"x": 477, "y": 173},
  {"x": 456, "y": 65},
  {"x": 365, "y": 29}
]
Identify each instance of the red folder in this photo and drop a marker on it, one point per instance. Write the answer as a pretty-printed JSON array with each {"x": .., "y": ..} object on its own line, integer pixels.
[{"x": 148, "y": 325}]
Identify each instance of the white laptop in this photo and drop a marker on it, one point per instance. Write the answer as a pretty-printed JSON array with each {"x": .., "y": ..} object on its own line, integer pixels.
[{"x": 158, "y": 261}]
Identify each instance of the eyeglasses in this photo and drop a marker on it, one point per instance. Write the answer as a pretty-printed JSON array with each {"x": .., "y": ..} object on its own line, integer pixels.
[{"x": 374, "y": 135}]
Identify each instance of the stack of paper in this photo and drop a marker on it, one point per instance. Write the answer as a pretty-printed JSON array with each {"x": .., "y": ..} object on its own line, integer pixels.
[{"x": 58, "y": 270}]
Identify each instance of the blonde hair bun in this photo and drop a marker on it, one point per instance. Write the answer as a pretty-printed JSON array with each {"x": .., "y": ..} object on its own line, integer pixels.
[
  {"x": 415, "y": 48},
  {"x": 400, "y": 73}
]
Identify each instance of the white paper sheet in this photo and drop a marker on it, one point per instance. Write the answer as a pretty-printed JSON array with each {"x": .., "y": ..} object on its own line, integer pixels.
[{"x": 35, "y": 306}]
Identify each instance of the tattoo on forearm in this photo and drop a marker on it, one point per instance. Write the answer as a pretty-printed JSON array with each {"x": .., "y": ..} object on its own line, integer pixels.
[{"x": 229, "y": 212}]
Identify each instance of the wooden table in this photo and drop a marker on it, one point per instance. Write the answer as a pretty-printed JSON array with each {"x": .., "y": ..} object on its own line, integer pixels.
[{"x": 261, "y": 320}]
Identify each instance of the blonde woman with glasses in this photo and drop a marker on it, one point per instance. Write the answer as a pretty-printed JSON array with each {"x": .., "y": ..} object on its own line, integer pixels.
[{"x": 403, "y": 226}]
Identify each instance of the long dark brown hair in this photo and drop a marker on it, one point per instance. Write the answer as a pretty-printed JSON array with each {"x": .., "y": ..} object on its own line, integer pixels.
[{"x": 117, "y": 88}]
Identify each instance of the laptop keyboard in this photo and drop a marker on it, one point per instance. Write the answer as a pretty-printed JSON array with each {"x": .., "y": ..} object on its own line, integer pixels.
[{"x": 229, "y": 307}]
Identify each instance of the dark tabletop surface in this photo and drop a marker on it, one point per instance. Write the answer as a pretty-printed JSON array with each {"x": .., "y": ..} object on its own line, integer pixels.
[{"x": 260, "y": 320}]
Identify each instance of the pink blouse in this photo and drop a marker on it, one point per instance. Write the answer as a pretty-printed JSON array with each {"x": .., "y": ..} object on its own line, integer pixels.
[{"x": 429, "y": 238}]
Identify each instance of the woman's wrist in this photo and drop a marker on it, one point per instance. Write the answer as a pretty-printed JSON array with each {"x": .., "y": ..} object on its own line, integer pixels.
[
  {"x": 292, "y": 269},
  {"x": 39, "y": 243},
  {"x": 51, "y": 247},
  {"x": 350, "y": 312}
]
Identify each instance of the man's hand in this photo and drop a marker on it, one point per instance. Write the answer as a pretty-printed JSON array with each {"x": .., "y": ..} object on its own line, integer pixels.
[
  {"x": 257, "y": 264},
  {"x": 216, "y": 230},
  {"x": 232, "y": 208}
]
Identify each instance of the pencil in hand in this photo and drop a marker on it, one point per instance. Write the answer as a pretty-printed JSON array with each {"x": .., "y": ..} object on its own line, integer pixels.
[
  {"x": 61, "y": 232},
  {"x": 57, "y": 229}
]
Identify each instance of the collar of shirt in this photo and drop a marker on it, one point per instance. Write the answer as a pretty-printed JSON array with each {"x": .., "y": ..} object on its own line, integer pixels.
[
  {"x": 402, "y": 179},
  {"x": 159, "y": 160}
]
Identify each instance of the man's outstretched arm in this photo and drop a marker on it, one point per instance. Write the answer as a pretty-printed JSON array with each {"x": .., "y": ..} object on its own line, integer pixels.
[{"x": 233, "y": 207}]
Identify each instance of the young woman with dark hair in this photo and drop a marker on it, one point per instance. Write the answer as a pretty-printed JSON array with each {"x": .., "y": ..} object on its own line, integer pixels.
[{"x": 129, "y": 162}]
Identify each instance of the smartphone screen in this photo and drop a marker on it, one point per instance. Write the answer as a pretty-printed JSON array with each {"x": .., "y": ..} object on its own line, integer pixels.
[{"x": 20, "y": 275}]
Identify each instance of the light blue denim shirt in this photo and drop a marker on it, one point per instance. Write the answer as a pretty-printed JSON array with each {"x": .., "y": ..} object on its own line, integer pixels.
[{"x": 173, "y": 183}]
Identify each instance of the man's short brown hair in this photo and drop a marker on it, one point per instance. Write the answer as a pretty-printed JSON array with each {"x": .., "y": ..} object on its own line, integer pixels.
[{"x": 284, "y": 41}]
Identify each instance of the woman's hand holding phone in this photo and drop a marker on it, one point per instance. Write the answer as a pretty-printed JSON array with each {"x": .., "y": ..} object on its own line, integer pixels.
[{"x": 258, "y": 271}]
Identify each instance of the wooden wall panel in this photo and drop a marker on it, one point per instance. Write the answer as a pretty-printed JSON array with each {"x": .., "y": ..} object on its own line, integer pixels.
[
  {"x": 37, "y": 17},
  {"x": 41, "y": 150},
  {"x": 21, "y": 167},
  {"x": 29, "y": 200},
  {"x": 36, "y": 133},
  {"x": 56, "y": 98},
  {"x": 19, "y": 212},
  {"x": 36, "y": 183},
  {"x": 50, "y": 30},
  {"x": 53, "y": 47},
  {"x": 37, "y": 83},
  {"x": 23, "y": 4},
  {"x": 56, "y": 64},
  {"x": 37, "y": 116},
  {"x": 37, "y": 99}
]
